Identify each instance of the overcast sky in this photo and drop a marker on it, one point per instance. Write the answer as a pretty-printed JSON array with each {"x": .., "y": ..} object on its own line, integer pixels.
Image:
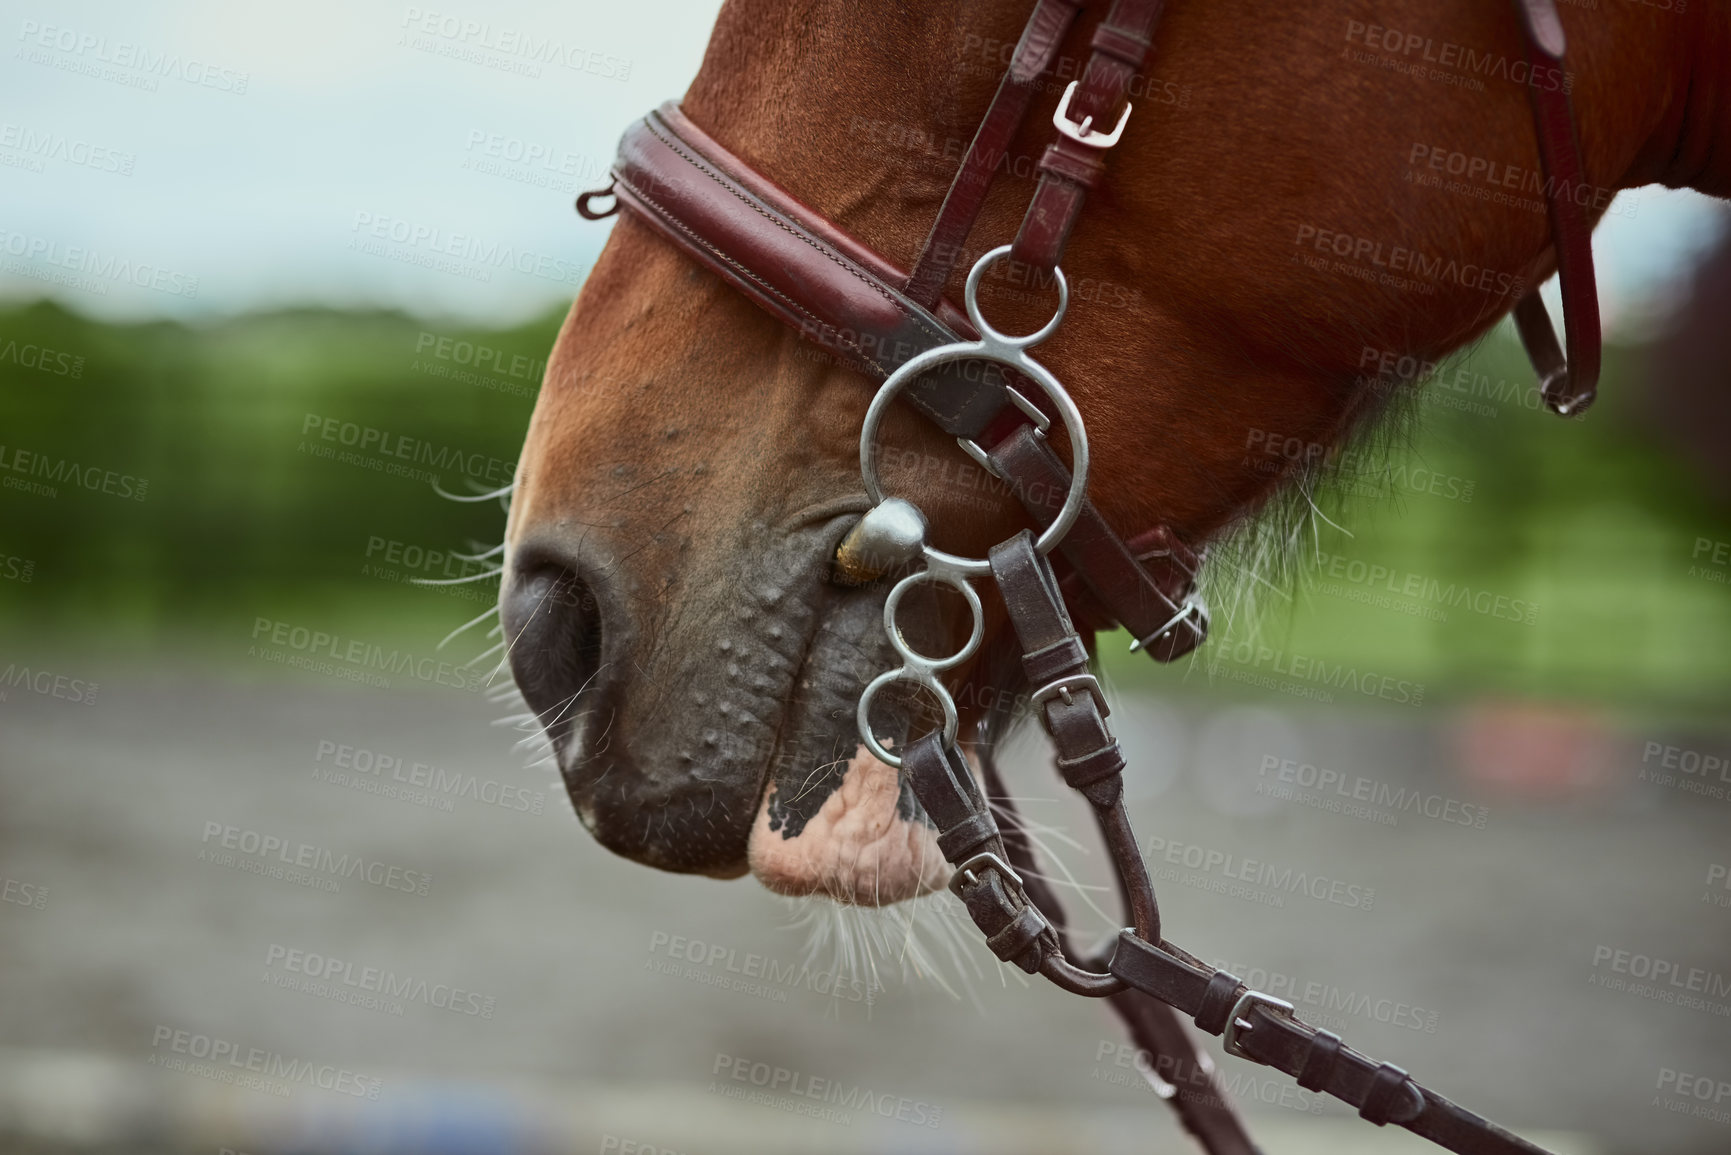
[{"x": 249, "y": 155}]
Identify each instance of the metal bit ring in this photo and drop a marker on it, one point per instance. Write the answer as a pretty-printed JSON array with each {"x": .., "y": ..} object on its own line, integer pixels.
[
  {"x": 917, "y": 668},
  {"x": 1005, "y": 350}
]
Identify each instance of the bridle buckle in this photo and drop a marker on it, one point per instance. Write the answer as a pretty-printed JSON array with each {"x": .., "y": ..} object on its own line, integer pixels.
[
  {"x": 1083, "y": 133},
  {"x": 1190, "y": 609},
  {"x": 1064, "y": 687},
  {"x": 1229, "y": 1037},
  {"x": 1029, "y": 409},
  {"x": 964, "y": 873}
]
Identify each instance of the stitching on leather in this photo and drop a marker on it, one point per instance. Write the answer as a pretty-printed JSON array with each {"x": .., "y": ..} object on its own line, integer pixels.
[
  {"x": 835, "y": 258},
  {"x": 669, "y": 219}
]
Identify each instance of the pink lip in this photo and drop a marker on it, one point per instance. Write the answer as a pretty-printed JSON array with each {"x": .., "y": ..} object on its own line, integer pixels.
[{"x": 857, "y": 849}]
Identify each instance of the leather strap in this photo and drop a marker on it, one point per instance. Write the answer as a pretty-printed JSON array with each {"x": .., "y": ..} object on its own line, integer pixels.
[
  {"x": 1069, "y": 170},
  {"x": 1187, "y": 1078},
  {"x": 1015, "y": 929},
  {"x": 1067, "y": 699},
  {"x": 1267, "y": 1033},
  {"x": 1570, "y": 384},
  {"x": 1255, "y": 1026},
  {"x": 1068, "y": 703},
  {"x": 797, "y": 266},
  {"x": 1035, "y": 51},
  {"x": 1162, "y": 616}
]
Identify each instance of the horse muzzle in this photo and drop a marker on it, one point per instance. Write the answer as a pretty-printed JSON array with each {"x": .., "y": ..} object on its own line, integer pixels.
[{"x": 708, "y": 726}]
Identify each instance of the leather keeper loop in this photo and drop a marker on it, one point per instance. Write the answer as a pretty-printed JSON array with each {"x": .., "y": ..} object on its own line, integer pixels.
[
  {"x": 1106, "y": 762},
  {"x": 1104, "y": 794},
  {"x": 1009, "y": 943},
  {"x": 1319, "y": 1061},
  {"x": 1386, "y": 1084},
  {"x": 1075, "y": 165},
  {"x": 1058, "y": 660},
  {"x": 1217, "y": 1002},
  {"x": 960, "y": 839},
  {"x": 1121, "y": 44},
  {"x": 1172, "y": 564}
]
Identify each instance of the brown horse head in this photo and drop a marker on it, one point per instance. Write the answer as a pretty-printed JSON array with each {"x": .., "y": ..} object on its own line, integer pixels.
[{"x": 1284, "y": 220}]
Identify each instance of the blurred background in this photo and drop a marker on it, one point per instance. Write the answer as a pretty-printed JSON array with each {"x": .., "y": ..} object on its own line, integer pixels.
[{"x": 261, "y": 897}]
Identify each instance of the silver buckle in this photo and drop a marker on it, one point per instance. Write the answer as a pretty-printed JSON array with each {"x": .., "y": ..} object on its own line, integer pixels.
[
  {"x": 1191, "y": 606},
  {"x": 1229, "y": 1037},
  {"x": 965, "y": 872},
  {"x": 1080, "y": 132},
  {"x": 1040, "y": 420},
  {"x": 1063, "y": 687}
]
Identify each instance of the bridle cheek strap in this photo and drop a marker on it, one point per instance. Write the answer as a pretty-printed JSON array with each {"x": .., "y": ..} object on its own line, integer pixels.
[
  {"x": 1041, "y": 38},
  {"x": 1075, "y": 161},
  {"x": 1570, "y": 384}
]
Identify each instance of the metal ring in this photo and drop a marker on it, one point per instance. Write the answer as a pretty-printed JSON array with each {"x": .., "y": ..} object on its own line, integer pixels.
[
  {"x": 1041, "y": 376},
  {"x": 911, "y": 656},
  {"x": 1006, "y": 351},
  {"x": 916, "y": 667},
  {"x": 862, "y": 714},
  {"x": 970, "y": 298}
]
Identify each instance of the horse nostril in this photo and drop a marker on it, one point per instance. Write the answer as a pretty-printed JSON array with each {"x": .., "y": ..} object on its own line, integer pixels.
[{"x": 553, "y": 636}]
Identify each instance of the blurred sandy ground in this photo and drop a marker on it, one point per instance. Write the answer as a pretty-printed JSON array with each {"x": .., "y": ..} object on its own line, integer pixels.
[{"x": 1473, "y": 966}]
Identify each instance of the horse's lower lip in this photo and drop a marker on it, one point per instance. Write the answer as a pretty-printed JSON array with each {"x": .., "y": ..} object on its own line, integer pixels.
[
  {"x": 862, "y": 846},
  {"x": 831, "y": 820},
  {"x": 800, "y": 677}
]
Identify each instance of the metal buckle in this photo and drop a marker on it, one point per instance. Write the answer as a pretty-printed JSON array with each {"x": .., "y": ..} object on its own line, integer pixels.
[
  {"x": 1229, "y": 1037},
  {"x": 965, "y": 872},
  {"x": 1040, "y": 420},
  {"x": 1062, "y": 687},
  {"x": 1191, "y": 606},
  {"x": 1080, "y": 132}
]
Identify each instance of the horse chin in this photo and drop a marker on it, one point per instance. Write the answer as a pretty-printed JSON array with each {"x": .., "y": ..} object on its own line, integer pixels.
[{"x": 862, "y": 844}]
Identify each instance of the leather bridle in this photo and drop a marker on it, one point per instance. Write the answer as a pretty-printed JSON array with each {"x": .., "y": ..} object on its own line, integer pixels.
[{"x": 895, "y": 324}]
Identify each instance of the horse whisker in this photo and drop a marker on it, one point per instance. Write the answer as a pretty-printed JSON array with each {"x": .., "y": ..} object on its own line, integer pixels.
[
  {"x": 492, "y": 573},
  {"x": 474, "y": 621},
  {"x": 503, "y": 491}
]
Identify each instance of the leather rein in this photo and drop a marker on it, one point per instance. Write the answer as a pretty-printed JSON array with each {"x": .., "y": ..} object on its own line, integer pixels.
[{"x": 895, "y": 325}]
